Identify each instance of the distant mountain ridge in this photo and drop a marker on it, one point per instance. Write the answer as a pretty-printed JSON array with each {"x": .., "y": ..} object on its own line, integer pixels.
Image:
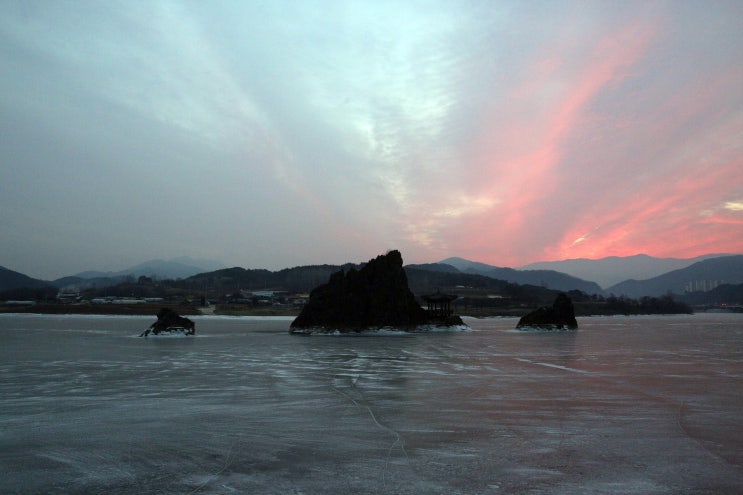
[
  {"x": 709, "y": 271},
  {"x": 701, "y": 276},
  {"x": 181, "y": 267},
  {"x": 10, "y": 279},
  {"x": 612, "y": 270},
  {"x": 545, "y": 278}
]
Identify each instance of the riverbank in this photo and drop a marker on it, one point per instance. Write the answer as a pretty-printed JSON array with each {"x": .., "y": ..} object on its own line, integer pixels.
[
  {"x": 581, "y": 310},
  {"x": 148, "y": 309}
]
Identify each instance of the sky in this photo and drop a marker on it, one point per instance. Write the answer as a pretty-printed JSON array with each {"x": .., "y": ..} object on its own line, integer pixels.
[{"x": 273, "y": 134}]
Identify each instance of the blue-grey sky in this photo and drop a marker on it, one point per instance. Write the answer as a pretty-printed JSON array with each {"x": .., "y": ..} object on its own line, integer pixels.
[{"x": 281, "y": 133}]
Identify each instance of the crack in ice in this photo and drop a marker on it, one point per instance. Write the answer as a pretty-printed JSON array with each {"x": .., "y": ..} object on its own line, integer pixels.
[
  {"x": 363, "y": 405},
  {"x": 559, "y": 367}
]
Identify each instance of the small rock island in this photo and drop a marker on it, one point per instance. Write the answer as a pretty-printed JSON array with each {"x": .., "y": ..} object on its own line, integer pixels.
[
  {"x": 559, "y": 316},
  {"x": 375, "y": 296},
  {"x": 170, "y": 322}
]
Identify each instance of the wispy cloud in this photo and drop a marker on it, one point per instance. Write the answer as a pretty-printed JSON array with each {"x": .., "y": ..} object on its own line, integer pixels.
[{"x": 300, "y": 132}]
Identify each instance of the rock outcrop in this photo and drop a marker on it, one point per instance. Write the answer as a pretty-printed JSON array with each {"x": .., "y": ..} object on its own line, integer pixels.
[
  {"x": 170, "y": 322},
  {"x": 560, "y": 316},
  {"x": 373, "y": 297}
]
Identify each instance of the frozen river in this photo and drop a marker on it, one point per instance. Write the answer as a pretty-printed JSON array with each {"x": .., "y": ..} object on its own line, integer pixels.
[{"x": 638, "y": 405}]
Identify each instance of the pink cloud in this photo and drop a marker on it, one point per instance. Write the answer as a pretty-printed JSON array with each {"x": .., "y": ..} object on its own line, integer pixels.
[
  {"x": 604, "y": 153},
  {"x": 518, "y": 157},
  {"x": 675, "y": 215}
]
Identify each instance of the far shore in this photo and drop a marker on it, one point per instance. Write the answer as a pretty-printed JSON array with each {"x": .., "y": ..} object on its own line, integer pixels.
[
  {"x": 151, "y": 309},
  {"x": 186, "y": 310},
  {"x": 147, "y": 309}
]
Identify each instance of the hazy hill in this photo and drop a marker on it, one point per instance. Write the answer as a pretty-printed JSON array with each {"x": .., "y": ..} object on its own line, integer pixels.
[
  {"x": 297, "y": 279},
  {"x": 82, "y": 283},
  {"x": 204, "y": 264},
  {"x": 172, "y": 269},
  {"x": 730, "y": 294},
  {"x": 434, "y": 267},
  {"x": 546, "y": 278},
  {"x": 10, "y": 279},
  {"x": 422, "y": 279},
  {"x": 725, "y": 269},
  {"x": 465, "y": 266},
  {"x": 181, "y": 267},
  {"x": 426, "y": 281},
  {"x": 425, "y": 277},
  {"x": 614, "y": 269},
  {"x": 176, "y": 268}
]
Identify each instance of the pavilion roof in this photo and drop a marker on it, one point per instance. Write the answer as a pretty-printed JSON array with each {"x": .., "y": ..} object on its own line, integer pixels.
[{"x": 439, "y": 297}]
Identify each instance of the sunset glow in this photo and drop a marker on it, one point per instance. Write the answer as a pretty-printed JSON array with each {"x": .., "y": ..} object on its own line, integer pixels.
[{"x": 279, "y": 134}]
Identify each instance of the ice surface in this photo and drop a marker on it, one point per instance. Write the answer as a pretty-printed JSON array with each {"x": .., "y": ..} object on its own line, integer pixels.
[{"x": 641, "y": 405}]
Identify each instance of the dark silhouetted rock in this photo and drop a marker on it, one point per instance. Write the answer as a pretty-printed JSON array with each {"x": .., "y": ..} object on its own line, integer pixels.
[
  {"x": 558, "y": 317},
  {"x": 375, "y": 296},
  {"x": 168, "y": 321}
]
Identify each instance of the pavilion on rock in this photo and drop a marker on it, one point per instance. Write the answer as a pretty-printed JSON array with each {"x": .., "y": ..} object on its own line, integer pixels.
[{"x": 439, "y": 304}]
